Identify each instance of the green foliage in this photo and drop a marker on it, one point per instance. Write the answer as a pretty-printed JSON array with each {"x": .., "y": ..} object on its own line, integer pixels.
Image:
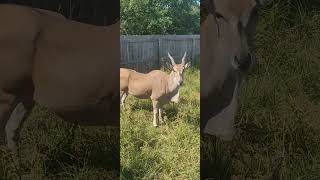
[
  {"x": 170, "y": 151},
  {"x": 140, "y": 17}
]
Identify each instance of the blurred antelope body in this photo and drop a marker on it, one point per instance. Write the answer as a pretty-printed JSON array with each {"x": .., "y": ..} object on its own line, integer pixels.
[
  {"x": 66, "y": 66},
  {"x": 227, "y": 31},
  {"x": 157, "y": 85}
]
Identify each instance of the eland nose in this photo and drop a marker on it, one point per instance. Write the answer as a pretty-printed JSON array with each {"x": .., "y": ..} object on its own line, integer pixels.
[
  {"x": 244, "y": 62},
  {"x": 181, "y": 83}
]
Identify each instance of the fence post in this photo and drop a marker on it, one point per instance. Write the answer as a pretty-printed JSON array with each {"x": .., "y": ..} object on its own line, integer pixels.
[
  {"x": 159, "y": 52},
  {"x": 127, "y": 58},
  {"x": 193, "y": 50}
]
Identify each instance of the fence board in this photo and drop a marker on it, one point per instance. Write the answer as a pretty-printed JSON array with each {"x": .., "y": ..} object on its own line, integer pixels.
[{"x": 148, "y": 52}]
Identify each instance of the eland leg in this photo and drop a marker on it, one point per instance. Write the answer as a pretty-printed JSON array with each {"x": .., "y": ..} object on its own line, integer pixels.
[
  {"x": 7, "y": 102},
  {"x": 155, "y": 113},
  {"x": 14, "y": 124},
  {"x": 160, "y": 115},
  {"x": 123, "y": 96}
]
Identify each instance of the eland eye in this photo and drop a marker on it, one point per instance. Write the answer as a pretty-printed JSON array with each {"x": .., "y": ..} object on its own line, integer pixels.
[{"x": 219, "y": 16}]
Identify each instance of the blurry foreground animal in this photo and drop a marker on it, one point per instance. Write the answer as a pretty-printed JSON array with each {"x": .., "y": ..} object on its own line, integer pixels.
[{"x": 69, "y": 67}]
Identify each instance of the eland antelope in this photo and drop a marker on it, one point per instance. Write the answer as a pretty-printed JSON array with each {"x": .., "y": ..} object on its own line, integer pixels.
[
  {"x": 157, "y": 85},
  {"x": 227, "y": 31},
  {"x": 69, "y": 67}
]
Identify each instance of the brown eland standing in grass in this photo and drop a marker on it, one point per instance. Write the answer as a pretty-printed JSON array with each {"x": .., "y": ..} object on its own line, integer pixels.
[
  {"x": 70, "y": 67},
  {"x": 227, "y": 36},
  {"x": 157, "y": 85}
]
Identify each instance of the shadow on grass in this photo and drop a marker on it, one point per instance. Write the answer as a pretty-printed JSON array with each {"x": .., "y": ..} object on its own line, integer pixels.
[
  {"x": 171, "y": 112},
  {"x": 145, "y": 105},
  {"x": 186, "y": 113},
  {"x": 215, "y": 162},
  {"x": 86, "y": 154}
]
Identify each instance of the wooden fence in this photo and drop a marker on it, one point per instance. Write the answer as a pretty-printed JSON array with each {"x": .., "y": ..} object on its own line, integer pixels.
[{"x": 148, "y": 52}]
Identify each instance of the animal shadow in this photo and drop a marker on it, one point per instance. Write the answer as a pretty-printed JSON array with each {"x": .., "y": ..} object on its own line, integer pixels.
[
  {"x": 171, "y": 111},
  {"x": 145, "y": 105},
  {"x": 89, "y": 153}
]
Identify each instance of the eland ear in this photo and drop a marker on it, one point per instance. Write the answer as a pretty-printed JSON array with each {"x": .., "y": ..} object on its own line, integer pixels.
[
  {"x": 169, "y": 65},
  {"x": 187, "y": 65}
]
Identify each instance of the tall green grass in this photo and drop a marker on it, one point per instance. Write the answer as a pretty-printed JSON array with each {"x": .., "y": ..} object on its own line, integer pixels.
[
  {"x": 279, "y": 115},
  {"x": 171, "y": 151},
  {"x": 48, "y": 150}
]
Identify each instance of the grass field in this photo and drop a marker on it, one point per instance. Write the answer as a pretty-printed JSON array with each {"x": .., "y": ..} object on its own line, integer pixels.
[
  {"x": 170, "y": 151},
  {"x": 279, "y": 115},
  {"x": 49, "y": 151},
  {"x": 278, "y": 122}
]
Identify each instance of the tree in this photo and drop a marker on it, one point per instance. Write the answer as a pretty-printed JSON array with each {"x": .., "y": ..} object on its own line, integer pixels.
[{"x": 159, "y": 17}]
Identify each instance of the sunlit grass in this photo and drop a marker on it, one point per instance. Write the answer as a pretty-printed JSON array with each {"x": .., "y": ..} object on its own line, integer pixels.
[{"x": 170, "y": 151}]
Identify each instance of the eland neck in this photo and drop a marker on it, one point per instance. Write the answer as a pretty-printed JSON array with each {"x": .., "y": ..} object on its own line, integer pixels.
[{"x": 172, "y": 84}]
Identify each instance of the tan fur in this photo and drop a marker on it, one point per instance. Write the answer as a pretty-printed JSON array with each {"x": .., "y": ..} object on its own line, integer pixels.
[
  {"x": 157, "y": 85},
  {"x": 67, "y": 66}
]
